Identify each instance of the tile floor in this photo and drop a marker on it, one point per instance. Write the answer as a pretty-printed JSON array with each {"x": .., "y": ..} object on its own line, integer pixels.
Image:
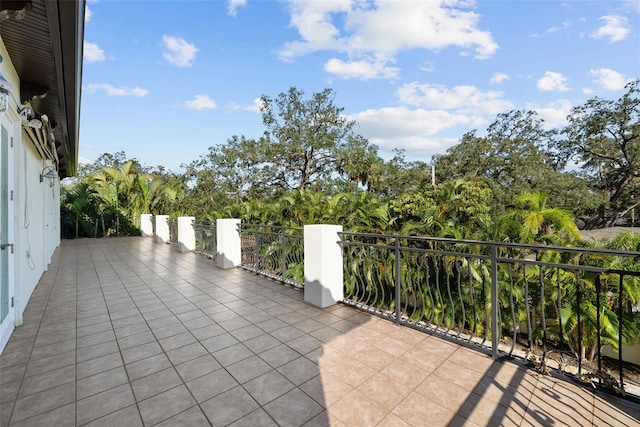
[{"x": 127, "y": 332}]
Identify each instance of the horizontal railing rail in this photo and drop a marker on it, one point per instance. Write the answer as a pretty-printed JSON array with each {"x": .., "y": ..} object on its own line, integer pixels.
[
  {"x": 557, "y": 307},
  {"x": 273, "y": 251}
]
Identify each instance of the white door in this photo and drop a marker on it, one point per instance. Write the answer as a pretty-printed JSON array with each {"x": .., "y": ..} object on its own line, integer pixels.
[{"x": 6, "y": 231}]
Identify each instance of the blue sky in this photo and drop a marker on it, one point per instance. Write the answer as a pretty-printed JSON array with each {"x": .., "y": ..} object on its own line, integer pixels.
[{"x": 165, "y": 80}]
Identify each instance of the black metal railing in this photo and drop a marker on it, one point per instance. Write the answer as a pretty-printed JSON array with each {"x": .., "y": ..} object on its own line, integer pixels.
[
  {"x": 557, "y": 307},
  {"x": 173, "y": 230},
  {"x": 273, "y": 251},
  {"x": 205, "y": 233}
]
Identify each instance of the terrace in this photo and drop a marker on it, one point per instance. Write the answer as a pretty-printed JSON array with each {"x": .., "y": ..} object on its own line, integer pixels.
[{"x": 125, "y": 331}]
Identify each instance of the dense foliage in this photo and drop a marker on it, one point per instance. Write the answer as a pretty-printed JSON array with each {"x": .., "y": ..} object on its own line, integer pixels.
[{"x": 311, "y": 166}]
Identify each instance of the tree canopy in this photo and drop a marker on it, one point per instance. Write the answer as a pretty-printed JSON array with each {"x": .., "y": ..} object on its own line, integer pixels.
[
  {"x": 603, "y": 137},
  {"x": 309, "y": 154}
]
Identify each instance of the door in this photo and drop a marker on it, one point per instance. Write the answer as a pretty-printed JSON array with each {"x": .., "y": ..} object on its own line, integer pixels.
[{"x": 6, "y": 232}]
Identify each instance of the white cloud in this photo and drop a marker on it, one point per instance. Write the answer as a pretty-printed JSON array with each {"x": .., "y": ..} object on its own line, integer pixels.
[
  {"x": 413, "y": 130},
  {"x": 87, "y": 13},
  {"x": 380, "y": 30},
  {"x": 428, "y": 67},
  {"x": 360, "y": 69},
  {"x": 616, "y": 28},
  {"x": 498, "y": 78},
  {"x": 553, "y": 81},
  {"x": 556, "y": 28},
  {"x": 632, "y": 5},
  {"x": 609, "y": 79},
  {"x": 396, "y": 122},
  {"x": 459, "y": 98},
  {"x": 565, "y": 25},
  {"x": 178, "y": 51},
  {"x": 92, "y": 52},
  {"x": 84, "y": 161},
  {"x": 234, "y": 5},
  {"x": 117, "y": 91},
  {"x": 254, "y": 106},
  {"x": 554, "y": 113},
  {"x": 200, "y": 102}
]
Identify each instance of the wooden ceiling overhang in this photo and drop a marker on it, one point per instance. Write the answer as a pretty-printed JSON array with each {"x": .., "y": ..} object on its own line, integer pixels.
[{"x": 44, "y": 39}]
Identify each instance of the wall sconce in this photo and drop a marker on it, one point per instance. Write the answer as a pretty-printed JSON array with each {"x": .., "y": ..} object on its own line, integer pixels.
[
  {"x": 49, "y": 173},
  {"x": 5, "y": 88}
]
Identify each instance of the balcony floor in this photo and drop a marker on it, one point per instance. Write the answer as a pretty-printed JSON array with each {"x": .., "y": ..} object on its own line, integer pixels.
[{"x": 127, "y": 332}]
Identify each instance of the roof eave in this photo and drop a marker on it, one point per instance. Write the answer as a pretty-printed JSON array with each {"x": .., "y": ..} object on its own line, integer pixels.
[{"x": 66, "y": 26}]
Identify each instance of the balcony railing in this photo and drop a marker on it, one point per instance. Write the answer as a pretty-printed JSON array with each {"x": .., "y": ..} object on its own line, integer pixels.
[
  {"x": 571, "y": 310},
  {"x": 557, "y": 307},
  {"x": 205, "y": 236},
  {"x": 173, "y": 230},
  {"x": 273, "y": 251}
]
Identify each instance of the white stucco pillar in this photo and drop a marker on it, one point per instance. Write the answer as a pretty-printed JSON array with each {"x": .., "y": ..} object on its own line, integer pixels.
[
  {"x": 162, "y": 228},
  {"x": 323, "y": 275},
  {"x": 186, "y": 234},
  {"x": 146, "y": 225},
  {"x": 228, "y": 242}
]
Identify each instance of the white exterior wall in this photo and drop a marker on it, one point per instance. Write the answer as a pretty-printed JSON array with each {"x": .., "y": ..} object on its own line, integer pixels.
[
  {"x": 36, "y": 221},
  {"x": 34, "y": 214}
]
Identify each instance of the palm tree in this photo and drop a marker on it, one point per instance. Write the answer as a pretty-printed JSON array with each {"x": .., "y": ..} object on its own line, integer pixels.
[
  {"x": 79, "y": 196},
  {"x": 541, "y": 224}
]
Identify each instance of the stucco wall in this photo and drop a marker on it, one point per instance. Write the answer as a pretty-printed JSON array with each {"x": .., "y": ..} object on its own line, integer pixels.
[
  {"x": 36, "y": 230},
  {"x": 35, "y": 210}
]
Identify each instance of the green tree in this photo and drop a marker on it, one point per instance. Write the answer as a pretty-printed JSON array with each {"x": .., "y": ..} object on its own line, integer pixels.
[
  {"x": 306, "y": 140},
  {"x": 603, "y": 137},
  {"x": 398, "y": 175},
  {"x": 540, "y": 224},
  {"x": 515, "y": 157}
]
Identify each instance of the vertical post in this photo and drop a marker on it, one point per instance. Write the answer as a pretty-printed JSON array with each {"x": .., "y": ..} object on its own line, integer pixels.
[
  {"x": 620, "y": 331},
  {"x": 146, "y": 225},
  {"x": 560, "y": 307},
  {"x": 398, "y": 278},
  {"x": 228, "y": 243},
  {"x": 256, "y": 249},
  {"x": 579, "y": 303},
  {"x": 544, "y": 315},
  {"x": 598, "y": 290},
  {"x": 283, "y": 239},
  {"x": 162, "y": 228},
  {"x": 494, "y": 302},
  {"x": 323, "y": 265},
  {"x": 186, "y": 234}
]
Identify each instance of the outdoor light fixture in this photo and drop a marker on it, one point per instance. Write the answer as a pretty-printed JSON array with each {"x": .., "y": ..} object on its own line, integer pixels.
[
  {"x": 49, "y": 173},
  {"x": 5, "y": 87}
]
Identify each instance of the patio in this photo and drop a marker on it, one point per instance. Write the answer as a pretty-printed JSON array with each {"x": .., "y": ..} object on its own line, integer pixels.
[{"x": 127, "y": 332}]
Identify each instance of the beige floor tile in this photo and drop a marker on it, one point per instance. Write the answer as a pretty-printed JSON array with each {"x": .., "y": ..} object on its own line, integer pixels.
[
  {"x": 405, "y": 373},
  {"x": 355, "y": 410},
  {"x": 416, "y": 410},
  {"x": 166, "y": 405},
  {"x": 44, "y": 401},
  {"x": 461, "y": 375},
  {"x": 384, "y": 390},
  {"x": 326, "y": 389},
  {"x": 294, "y": 408},
  {"x": 229, "y": 406},
  {"x": 148, "y": 322},
  {"x": 443, "y": 392}
]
